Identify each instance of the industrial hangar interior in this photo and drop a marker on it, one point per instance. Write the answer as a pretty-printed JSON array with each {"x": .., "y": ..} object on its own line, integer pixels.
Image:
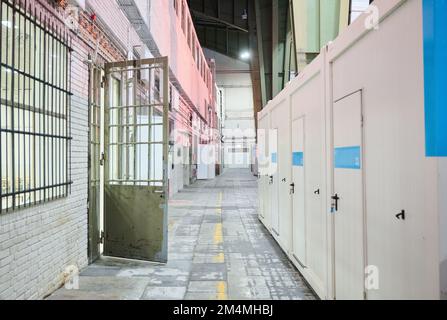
[{"x": 223, "y": 150}]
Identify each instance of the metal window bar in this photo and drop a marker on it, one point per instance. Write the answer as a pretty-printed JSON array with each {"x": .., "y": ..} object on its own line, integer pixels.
[{"x": 35, "y": 96}]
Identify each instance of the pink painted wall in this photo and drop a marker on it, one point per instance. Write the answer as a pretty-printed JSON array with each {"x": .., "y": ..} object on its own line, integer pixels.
[{"x": 165, "y": 23}]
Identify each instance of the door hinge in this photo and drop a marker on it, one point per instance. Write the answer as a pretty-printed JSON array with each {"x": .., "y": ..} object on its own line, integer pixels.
[
  {"x": 102, "y": 159},
  {"x": 101, "y": 237}
]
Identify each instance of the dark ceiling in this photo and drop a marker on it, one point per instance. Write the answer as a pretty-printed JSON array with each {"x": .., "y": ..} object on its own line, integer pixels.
[
  {"x": 230, "y": 27},
  {"x": 223, "y": 25}
]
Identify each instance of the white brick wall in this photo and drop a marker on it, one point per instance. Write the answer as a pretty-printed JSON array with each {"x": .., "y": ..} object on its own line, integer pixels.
[{"x": 37, "y": 244}]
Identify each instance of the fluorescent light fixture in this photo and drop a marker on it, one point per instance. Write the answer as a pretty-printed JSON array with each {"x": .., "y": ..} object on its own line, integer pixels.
[{"x": 245, "y": 55}]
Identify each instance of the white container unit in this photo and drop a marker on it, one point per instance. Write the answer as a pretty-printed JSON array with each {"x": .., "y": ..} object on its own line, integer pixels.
[
  {"x": 280, "y": 173},
  {"x": 309, "y": 219},
  {"x": 361, "y": 138}
]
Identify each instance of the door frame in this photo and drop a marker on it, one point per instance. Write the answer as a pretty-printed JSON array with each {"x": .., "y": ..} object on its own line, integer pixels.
[{"x": 95, "y": 100}]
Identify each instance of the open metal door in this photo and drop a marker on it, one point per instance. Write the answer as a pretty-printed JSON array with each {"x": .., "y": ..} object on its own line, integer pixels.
[{"x": 136, "y": 159}]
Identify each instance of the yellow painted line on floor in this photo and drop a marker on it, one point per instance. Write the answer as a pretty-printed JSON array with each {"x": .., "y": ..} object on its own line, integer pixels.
[
  {"x": 219, "y": 203},
  {"x": 220, "y": 258},
  {"x": 218, "y": 236},
  {"x": 222, "y": 290}
]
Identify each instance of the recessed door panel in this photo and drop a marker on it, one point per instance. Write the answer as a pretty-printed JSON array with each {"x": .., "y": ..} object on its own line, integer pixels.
[
  {"x": 316, "y": 224},
  {"x": 299, "y": 195},
  {"x": 263, "y": 169},
  {"x": 274, "y": 180},
  {"x": 348, "y": 198}
]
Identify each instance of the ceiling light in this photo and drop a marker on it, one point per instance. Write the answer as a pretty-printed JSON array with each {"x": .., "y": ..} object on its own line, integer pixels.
[{"x": 245, "y": 55}]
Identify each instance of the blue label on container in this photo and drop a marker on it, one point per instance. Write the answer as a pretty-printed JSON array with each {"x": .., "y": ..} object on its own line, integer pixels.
[
  {"x": 274, "y": 157},
  {"x": 348, "y": 158},
  {"x": 435, "y": 76},
  {"x": 298, "y": 159}
]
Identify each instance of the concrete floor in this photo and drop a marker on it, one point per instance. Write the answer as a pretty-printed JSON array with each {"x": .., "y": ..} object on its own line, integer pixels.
[{"x": 218, "y": 250}]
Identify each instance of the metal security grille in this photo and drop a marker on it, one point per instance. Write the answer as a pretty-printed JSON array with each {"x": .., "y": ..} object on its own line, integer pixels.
[
  {"x": 136, "y": 122},
  {"x": 35, "y": 107}
]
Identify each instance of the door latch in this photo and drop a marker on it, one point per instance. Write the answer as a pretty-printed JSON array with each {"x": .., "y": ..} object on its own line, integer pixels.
[
  {"x": 270, "y": 179},
  {"x": 335, "y": 199},
  {"x": 401, "y": 215},
  {"x": 292, "y": 188}
]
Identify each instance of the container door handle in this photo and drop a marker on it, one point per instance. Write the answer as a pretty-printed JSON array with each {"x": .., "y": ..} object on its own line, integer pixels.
[
  {"x": 401, "y": 215},
  {"x": 336, "y": 198},
  {"x": 292, "y": 188}
]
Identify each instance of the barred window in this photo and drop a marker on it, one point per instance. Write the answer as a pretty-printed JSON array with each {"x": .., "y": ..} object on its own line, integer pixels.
[{"x": 34, "y": 117}]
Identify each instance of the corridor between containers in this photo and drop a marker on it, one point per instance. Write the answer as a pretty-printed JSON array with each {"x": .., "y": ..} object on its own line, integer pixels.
[{"x": 218, "y": 249}]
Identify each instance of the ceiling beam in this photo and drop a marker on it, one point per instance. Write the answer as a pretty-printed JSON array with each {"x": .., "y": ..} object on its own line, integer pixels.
[{"x": 199, "y": 15}]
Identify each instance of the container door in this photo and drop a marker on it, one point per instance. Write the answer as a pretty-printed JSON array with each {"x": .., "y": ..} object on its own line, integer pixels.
[
  {"x": 261, "y": 170},
  {"x": 315, "y": 215},
  {"x": 347, "y": 200},
  {"x": 274, "y": 180},
  {"x": 136, "y": 155},
  {"x": 298, "y": 180}
]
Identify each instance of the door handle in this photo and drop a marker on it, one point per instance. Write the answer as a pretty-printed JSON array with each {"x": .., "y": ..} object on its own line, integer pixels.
[
  {"x": 283, "y": 180},
  {"x": 335, "y": 198},
  {"x": 317, "y": 191},
  {"x": 292, "y": 188},
  {"x": 271, "y": 180},
  {"x": 401, "y": 215}
]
